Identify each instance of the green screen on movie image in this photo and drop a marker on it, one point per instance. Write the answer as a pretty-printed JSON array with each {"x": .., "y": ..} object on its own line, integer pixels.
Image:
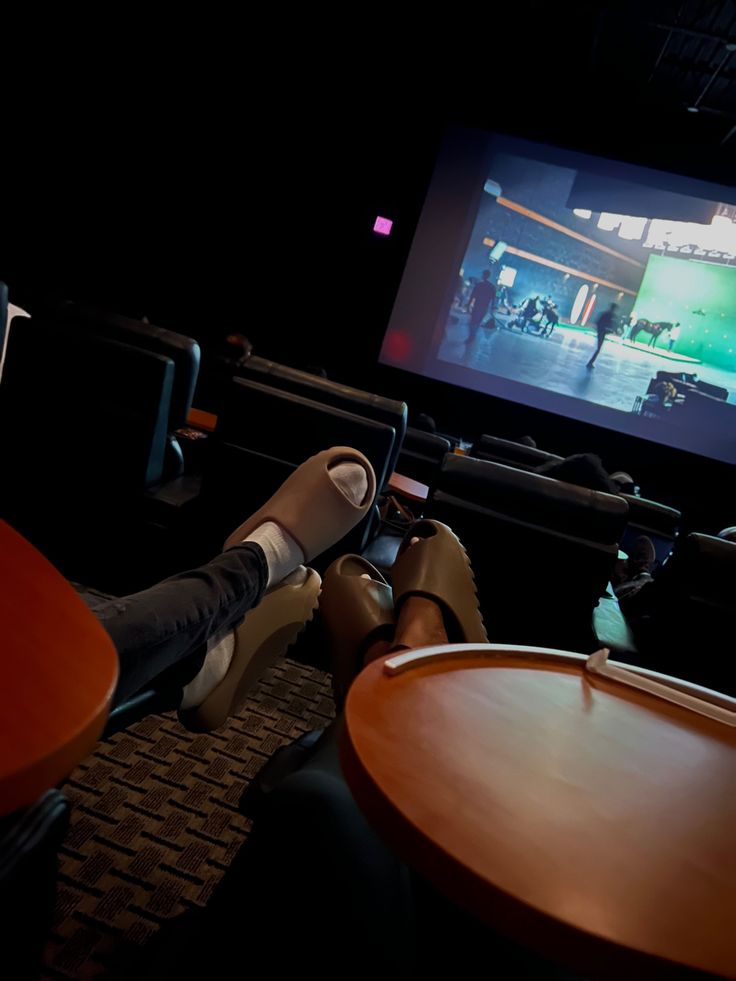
[{"x": 702, "y": 296}]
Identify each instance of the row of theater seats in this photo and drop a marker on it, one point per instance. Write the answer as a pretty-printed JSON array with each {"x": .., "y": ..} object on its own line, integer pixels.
[
  {"x": 423, "y": 453},
  {"x": 683, "y": 624},
  {"x": 542, "y": 550},
  {"x": 92, "y": 404},
  {"x": 265, "y": 429},
  {"x": 97, "y": 402},
  {"x": 118, "y": 390},
  {"x": 183, "y": 353},
  {"x": 514, "y": 454},
  {"x": 249, "y": 459},
  {"x": 66, "y": 358},
  {"x": 88, "y": 422}
]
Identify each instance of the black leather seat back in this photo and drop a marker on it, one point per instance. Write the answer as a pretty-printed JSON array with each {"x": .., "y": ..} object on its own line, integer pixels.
[
  {"x": 182, "y": 350},
  {"x": 517, "y": 455},
  {"x": 689, "y": 614},
  {"x": 387, "y": 411},
  {"x": 84, "y": 419},
  {"x": 263, "y": 434},
  {"x": 707, "y": 571},
  {"x": 657, "y": 521},
  {"x": 542, "y": 550},
  {"x": 421, "y": 455}
]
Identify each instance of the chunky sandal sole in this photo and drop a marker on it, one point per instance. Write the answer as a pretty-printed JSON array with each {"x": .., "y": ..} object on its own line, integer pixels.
[{"x": 257, "y": 648}]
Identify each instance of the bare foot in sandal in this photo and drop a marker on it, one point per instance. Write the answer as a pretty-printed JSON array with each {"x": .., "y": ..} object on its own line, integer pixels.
[
  {"x": 421, "y": 624},
  {"x": 434, "y": 589}
]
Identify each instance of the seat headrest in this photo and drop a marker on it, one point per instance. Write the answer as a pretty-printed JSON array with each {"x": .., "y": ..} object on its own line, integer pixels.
[
  {"x": 291, "y": 427},
  {"x": 650, "y": 514},
  {"x": 506, "y": 449},
  {"x": 322, "y": 389},
  {"x": 113, "y": 398},
  {"x": 184, "y": 351},
  {"x": 534, "y": 499},
  {"x": 707, "y": 568},
  {"x": 419, "y": 441}
]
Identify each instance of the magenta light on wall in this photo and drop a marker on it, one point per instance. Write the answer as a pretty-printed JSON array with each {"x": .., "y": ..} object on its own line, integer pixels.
[{"x": 382, "y": 226}]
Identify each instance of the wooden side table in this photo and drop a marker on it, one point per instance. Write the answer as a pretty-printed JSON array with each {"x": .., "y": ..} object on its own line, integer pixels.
[
  {"x": 586, "y": 819},
  {"x": 58, "y": 668}
]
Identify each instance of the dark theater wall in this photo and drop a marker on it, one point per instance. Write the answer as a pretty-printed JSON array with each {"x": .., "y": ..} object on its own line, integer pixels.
[
  {"x": 221, "y": 197},
  {"x": 208, "y": 209}
]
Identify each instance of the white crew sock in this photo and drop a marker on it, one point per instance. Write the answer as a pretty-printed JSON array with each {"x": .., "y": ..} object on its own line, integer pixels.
[
  {"x": 220, "y": 650},
  {"x": 282, "y": 553}
]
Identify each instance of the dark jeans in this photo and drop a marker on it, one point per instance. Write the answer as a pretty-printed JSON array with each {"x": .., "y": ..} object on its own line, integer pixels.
[{"x": 157, "y": 628}]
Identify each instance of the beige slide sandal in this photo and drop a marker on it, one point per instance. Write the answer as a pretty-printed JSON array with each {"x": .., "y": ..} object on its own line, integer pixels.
[
  {"x": 310, "y": 507},
  {"x": 265, "y": 634}
]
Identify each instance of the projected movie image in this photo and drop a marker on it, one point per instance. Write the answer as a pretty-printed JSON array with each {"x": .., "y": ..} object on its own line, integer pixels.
[{"x": 634, "y": 313}]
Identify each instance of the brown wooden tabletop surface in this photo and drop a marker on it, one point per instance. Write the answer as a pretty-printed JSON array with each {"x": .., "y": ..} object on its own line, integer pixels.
[
  {"x": 58, "y": 667},
  {"x": 412, "y": 489},
  {"x": 593, "y": 822},
  {"x": 199, "y": 419}
]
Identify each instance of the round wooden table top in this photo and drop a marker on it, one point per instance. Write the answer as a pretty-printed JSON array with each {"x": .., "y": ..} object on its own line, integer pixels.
[
  {"x": 58, "y": 668},
  {"x": 593, "y": 822}
]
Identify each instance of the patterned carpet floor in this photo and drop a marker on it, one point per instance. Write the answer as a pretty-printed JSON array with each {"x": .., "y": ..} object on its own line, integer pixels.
[{"x": 155, "y": 820}]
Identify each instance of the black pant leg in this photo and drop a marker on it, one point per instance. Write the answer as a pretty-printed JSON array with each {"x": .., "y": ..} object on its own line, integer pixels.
[{"x": 158, "y": 627}]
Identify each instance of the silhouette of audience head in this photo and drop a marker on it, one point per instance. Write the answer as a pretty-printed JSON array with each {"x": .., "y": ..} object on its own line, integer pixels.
[
  {"x": 425, "y": 422},
  {"x": 236, "y": 347},
  {"x": 624, "y": 481}
]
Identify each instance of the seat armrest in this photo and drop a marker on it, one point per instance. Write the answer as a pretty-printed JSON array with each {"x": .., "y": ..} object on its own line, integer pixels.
[{"x": 177, "y": 493}]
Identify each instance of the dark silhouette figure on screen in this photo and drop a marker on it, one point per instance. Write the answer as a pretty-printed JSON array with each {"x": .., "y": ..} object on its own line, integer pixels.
[
  {"x": 604, "y": 326},
  {"x": 482, "y": 297}
]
